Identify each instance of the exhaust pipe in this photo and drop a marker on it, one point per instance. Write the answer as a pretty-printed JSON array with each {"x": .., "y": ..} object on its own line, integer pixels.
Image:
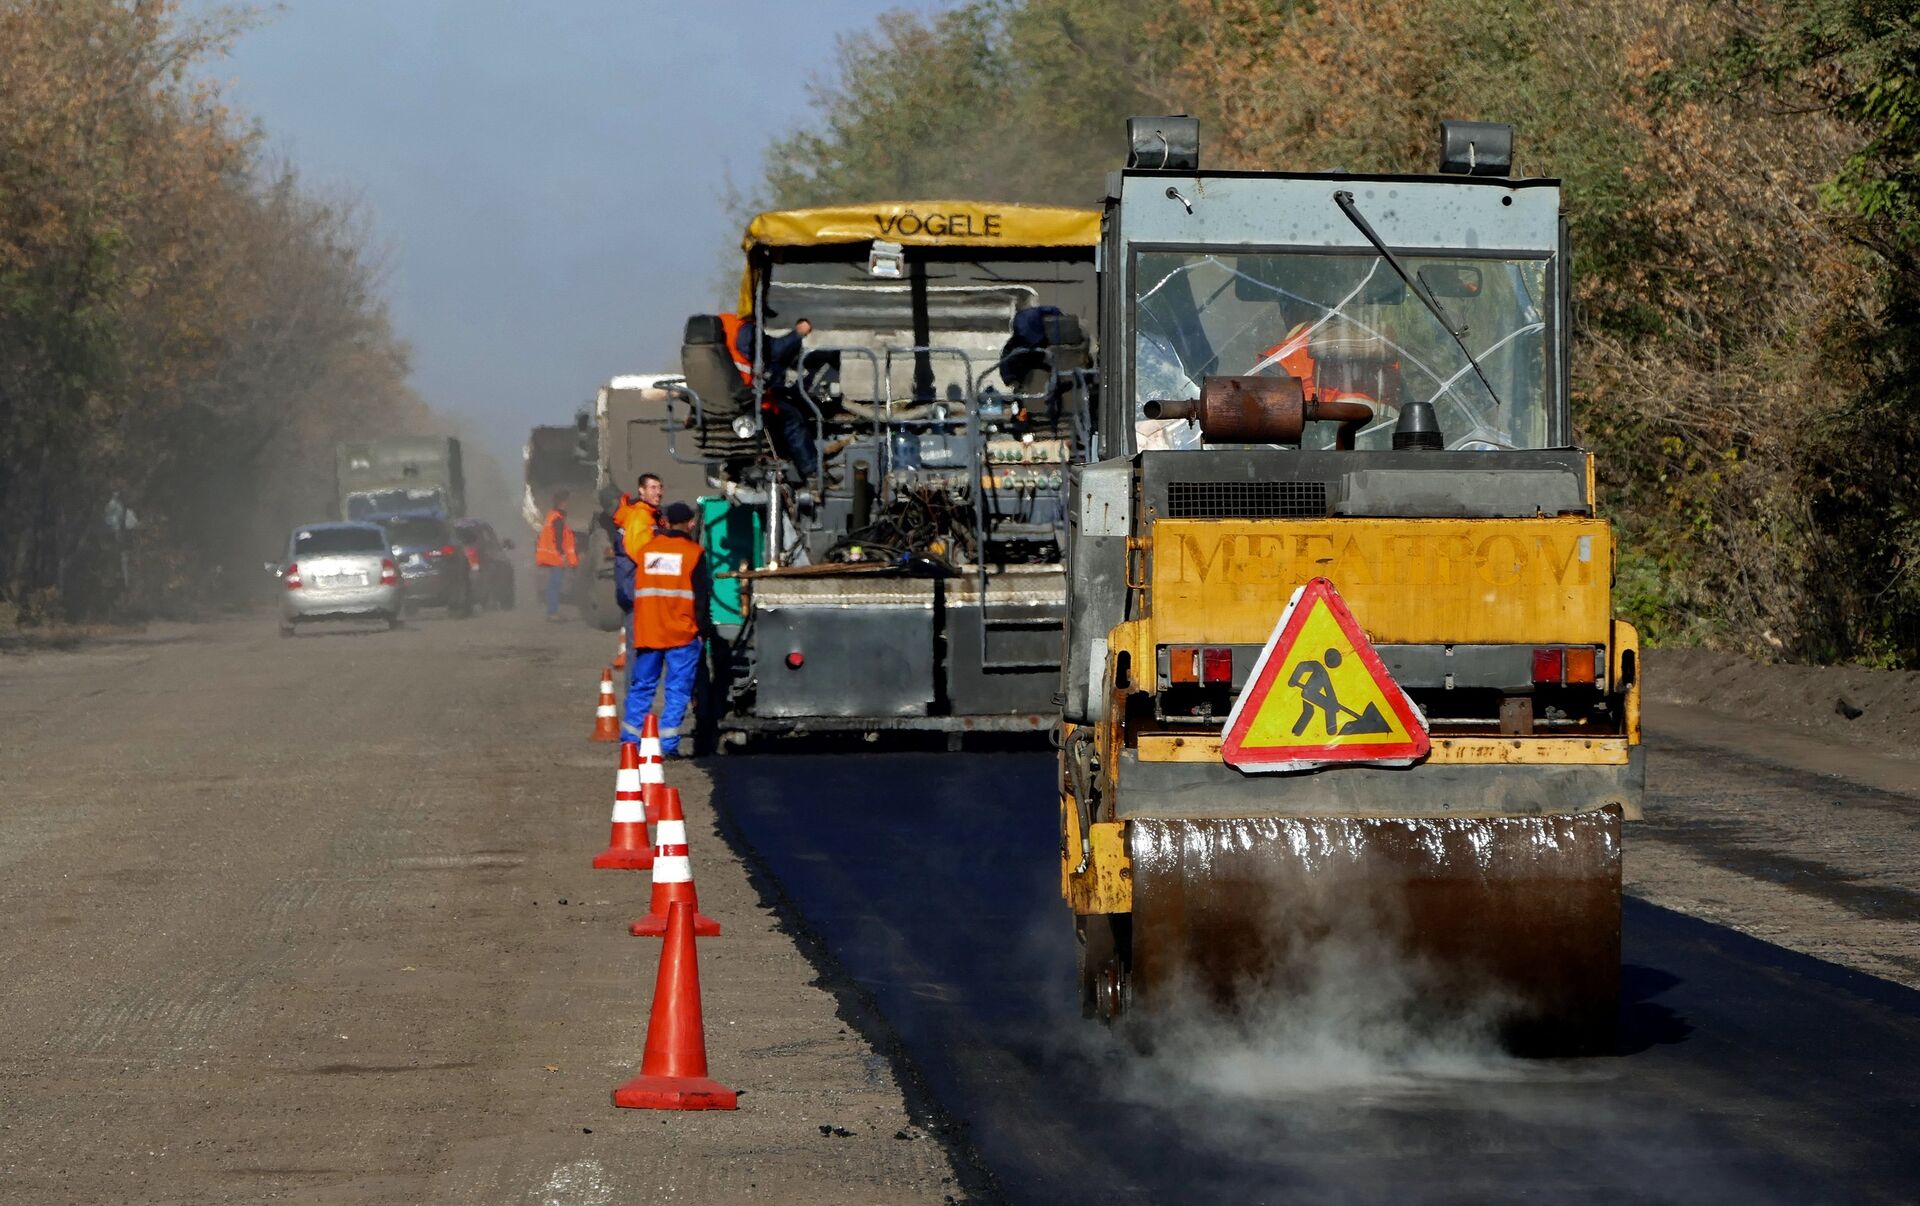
[{"x": 1260, "y": 410}]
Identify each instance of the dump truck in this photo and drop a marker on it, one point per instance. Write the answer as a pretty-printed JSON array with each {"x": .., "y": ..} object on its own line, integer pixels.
[
  {"x": 559, "y": 457},
  {"x": 914, "y": 578},
  {"x": 400, "y": 474},
  {"x": 1341, "y": 664},
  {"x": 629, "y": 421}
]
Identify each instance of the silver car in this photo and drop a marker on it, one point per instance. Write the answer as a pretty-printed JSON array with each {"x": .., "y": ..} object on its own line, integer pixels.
[{"x": 338, "y": 571}]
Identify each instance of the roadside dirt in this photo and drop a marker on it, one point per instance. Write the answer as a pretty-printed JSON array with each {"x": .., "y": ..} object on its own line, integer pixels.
[
  {"x": 1770, "y": 813},
  {"x": 1878, "y": 709},
  {"x": 313, "y": 921}
]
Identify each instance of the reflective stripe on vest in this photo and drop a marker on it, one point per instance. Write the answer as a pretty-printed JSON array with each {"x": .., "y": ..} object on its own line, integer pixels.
[{"x": 663, "y": 595}]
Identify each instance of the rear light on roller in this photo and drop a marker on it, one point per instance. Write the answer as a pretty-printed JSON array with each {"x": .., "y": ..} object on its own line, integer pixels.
[
  {"x": 1216, "y": 666},
  {"x": 1196, "y": 665},
  {"x": 1183, "y": 664},
  {"x": 389, "y": 573},
  {"x": 292, "y": 577},
  {"x": 1581, "y": 666},
  {"x": 1547, "y": 667},
  {"x": 1574, "y": 666}
]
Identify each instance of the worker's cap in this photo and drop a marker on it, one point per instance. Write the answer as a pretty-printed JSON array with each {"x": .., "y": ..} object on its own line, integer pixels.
[{"x": 679, "y": 513}]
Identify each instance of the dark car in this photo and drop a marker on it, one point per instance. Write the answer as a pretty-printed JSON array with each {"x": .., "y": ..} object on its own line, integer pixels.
[
  {"x": 487, "y": 562},
  {"x": 433, "y": 568}
]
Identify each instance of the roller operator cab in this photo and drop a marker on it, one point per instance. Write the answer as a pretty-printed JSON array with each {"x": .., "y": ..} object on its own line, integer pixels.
[
  {"x": 910, "y": 573},
  {"x": 1336, "y": 395}
]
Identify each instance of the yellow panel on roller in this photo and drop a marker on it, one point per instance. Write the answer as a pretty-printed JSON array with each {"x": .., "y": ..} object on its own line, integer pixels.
[
  {"x": 1106, "y": 886},
  {"x": 1407, "y": 581},
  {"x": 1499, "y": 751}
]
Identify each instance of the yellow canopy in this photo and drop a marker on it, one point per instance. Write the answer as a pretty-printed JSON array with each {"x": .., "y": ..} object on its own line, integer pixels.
[
  {"x": 919, "y": 224},
  {"x": 927, "y": 224}
]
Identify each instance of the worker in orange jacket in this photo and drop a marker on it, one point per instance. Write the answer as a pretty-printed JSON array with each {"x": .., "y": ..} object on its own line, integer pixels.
[
  {"x": 555, "y": 552},
  {"x": 672, "y": 596},
  {"x": 633, "y": 523}
]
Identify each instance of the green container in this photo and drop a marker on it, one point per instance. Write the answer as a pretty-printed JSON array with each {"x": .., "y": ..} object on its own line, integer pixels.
[{"x": 732, "y": 536}]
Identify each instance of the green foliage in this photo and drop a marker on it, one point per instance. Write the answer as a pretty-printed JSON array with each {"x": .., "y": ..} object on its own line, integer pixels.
[
  {"x": 1742, "y": 178},
  {"x": 990, "y": 99},
  {"x": 180, "y": 324}
]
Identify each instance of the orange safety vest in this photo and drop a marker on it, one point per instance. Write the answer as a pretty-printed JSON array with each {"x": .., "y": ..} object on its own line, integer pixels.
[
  {"x": 556, "y": 542},
  {"x": 730, "y": 325},
  {"x": 637, "y": 528},
  {"x": 663, "y": 614}
]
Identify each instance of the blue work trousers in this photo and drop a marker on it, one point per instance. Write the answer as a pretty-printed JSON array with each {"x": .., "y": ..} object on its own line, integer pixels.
[
  {"x": 682, "y": 664},
  {"x": 556, "y": 583}
]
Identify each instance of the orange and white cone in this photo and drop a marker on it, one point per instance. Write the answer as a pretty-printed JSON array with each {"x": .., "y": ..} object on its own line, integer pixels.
[
  {"x": 673, "y": 1072},
  {"x": 672, "y": 874},
  {"x": 653, "y": 770},
  {"x": 606, "y": 717},
  {"x": 620, "y": 653},
  {"x": 627, "y": 848}
]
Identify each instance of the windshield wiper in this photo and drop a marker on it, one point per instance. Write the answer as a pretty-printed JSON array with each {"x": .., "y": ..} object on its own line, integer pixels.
[{"x": 1344, "y": 200}]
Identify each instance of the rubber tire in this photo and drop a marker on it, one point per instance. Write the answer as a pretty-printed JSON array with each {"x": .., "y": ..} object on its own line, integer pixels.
[
  {"x": 1105, "y": 949},
  {"x": 411, "y": 609},
  {"x": 600, "y": 608},
  {"x": 286, "y": 632},
  {"x": 505, "y": 600},
  {"x": 393, "y": 622},
  {"x": 463, "y": 610}
]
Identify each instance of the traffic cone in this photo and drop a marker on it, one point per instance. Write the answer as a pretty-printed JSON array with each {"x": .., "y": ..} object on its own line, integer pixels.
[
  {"x": 673, "y": 1072},
  {"x": 606, "y": 718},
  {"x": 653, "y": 771},
  {"x": 672, "y": 874},
  {"x": 620, "y": 654},
  {"x": 627, "y": 848}
]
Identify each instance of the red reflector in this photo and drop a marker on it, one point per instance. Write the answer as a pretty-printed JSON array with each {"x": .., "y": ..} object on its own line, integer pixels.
[
  {"x": 1547, "y": 665},
  {"x": 446, "y": 550},
  {"x": 1183, "y": 664},
  {"x": 1216, "y": 665},
  {"x": 389, "y": 573},
  {"x": 292, "y": 578},
  {"x": 796, "y": 659},
  {"x": 1581, "y": 664}
]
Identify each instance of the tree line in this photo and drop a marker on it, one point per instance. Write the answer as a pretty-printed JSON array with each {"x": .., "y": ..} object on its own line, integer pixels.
[
  {"x": 1742, "y": 179},
  {"x": 185, "y": 329}
]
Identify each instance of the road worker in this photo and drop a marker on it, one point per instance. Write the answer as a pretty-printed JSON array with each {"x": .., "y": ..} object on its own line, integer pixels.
[
  {"x": 672, "y": 593},
  {"x": 555, "y": 552},
  {"x": 634, "y": 521},
  {"x": 779, "y": 356}
]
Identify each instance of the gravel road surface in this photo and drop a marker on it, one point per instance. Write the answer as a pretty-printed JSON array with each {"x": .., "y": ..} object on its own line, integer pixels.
[{"x": 313, "y": 921}]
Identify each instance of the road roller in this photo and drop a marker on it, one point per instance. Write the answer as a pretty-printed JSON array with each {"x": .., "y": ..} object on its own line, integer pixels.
[{"x": 1341, "y": 669}]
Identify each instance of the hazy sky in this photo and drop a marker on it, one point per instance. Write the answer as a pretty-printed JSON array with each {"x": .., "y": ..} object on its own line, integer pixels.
[{"x": 549, "y": 176}]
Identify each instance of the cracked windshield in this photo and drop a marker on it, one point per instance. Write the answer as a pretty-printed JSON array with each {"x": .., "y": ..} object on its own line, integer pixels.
[{"x": 1348, "y": 327}]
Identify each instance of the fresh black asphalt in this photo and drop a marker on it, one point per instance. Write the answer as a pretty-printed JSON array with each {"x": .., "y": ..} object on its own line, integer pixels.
[{"x": 1745, "y": 1073}]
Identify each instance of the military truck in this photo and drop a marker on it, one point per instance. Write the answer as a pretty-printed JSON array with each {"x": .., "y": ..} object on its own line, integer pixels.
[{"x": 398, "y": 475}]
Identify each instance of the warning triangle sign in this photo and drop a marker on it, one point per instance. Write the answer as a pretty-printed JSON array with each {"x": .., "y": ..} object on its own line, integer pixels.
[{"x": 1320, "y": 696}]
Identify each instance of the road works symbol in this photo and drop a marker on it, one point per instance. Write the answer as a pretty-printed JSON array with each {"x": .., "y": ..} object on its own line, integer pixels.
[{"x": 1320, "y": 696}]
